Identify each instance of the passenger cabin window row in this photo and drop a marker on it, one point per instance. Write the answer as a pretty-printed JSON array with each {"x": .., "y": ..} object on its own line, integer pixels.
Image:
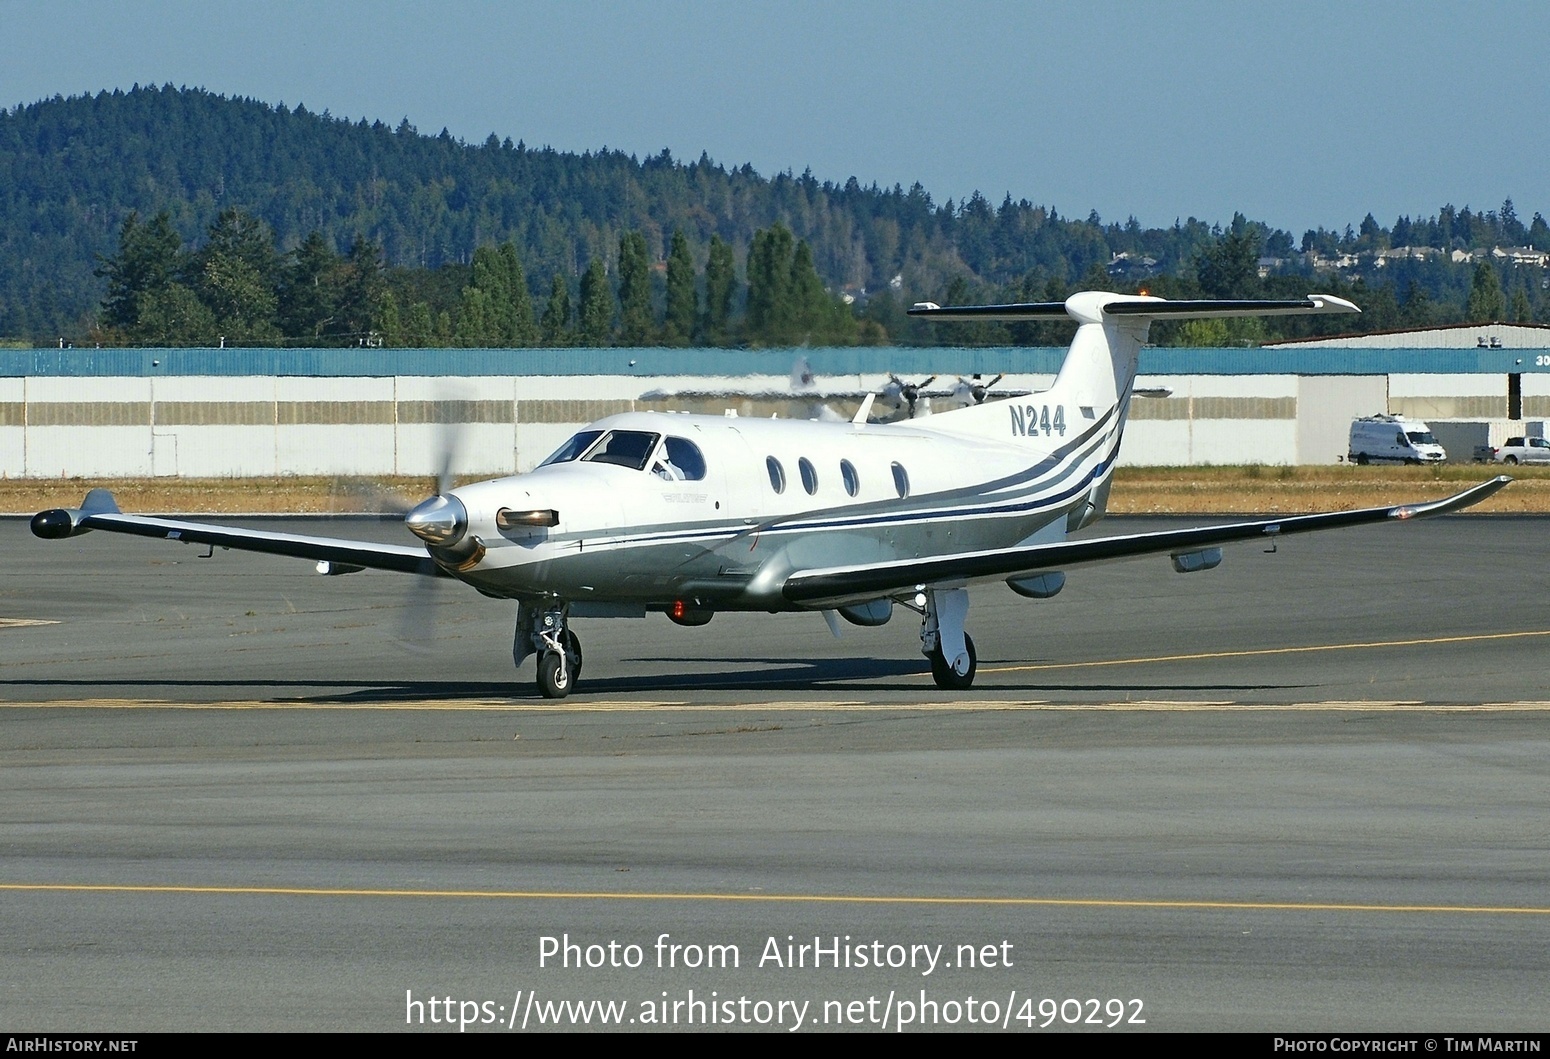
[{"x": 848, "y": 476}]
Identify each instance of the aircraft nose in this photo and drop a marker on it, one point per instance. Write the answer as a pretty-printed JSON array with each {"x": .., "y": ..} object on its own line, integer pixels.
[{"x": 441, "y": 520}]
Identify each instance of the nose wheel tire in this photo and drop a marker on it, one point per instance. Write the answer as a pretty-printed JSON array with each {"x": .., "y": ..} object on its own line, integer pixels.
[
  {"x": 945, "y": 675},
  {"x": 554, "y": 680}
]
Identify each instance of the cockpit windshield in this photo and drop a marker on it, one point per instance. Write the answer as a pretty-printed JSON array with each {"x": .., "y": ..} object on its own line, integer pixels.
[
  {"x": 573, "y": 448},
  {"x": 625, "y": 448}
]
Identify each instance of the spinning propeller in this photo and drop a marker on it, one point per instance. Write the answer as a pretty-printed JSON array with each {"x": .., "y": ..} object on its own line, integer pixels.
[
  {"x": 908, "y": 392},
  {"x": 972, "y": 390},
  {"x": 440, "y": 521}
]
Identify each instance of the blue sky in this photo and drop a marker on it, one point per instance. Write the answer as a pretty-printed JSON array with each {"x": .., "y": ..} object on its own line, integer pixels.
[{"x": 1298, "y": 114}]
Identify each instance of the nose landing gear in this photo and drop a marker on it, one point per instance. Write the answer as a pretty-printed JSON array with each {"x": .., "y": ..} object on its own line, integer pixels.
[
  {"x": 559, "y": 667},
  {"x": 543, "y": 631}
]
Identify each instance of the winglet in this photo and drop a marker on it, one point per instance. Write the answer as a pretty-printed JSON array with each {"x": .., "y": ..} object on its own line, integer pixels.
[{"x": 99, "y": 502}]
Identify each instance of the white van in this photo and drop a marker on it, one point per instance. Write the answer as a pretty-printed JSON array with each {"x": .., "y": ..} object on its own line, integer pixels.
[{"x": 1394, "y": 439}]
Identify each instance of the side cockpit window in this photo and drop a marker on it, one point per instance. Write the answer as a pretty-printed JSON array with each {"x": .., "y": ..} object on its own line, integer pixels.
[
  {"x": 573, "y": 448},
  {"x": 624, "y": 448},
  {"x": 679, "y": 461}
]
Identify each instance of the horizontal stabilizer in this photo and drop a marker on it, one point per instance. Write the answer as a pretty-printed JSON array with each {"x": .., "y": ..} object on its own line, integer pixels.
[
  {"x": 1020, "y": 311},
  {"x": 1082, "y": 306}
]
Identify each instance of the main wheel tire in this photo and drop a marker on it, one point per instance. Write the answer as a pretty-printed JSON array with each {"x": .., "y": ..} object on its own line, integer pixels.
[
  {"x": 551, "y": 682},
  {"x": 945, "y": 675}
]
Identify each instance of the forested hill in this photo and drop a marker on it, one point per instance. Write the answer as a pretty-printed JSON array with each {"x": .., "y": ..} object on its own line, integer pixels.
[{"x": 72, "y": 171}]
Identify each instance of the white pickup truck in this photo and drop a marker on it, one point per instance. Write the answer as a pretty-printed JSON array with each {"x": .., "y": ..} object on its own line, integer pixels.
[{"x": 1515, "y": 450}]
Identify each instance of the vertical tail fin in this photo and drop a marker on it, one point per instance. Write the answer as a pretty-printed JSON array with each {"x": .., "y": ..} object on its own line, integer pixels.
[
  {"x": 1100, "y": 368},
  {"x": 1099, "y": 372}
]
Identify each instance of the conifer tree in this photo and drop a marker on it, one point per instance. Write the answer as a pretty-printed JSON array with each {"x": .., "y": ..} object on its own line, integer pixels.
[
  {"x": 474, "y": 325},
  {"x": 597, "y": 306},
  {"x": 389, "y": 327},
  {"x": 678, "y": 323},
  {"x": 810, "y": 308},
  {"x": 1486, "y": 302},
  {"x": 1416, "y": 307},
  {"x": 491, "y": 322},
  {"x": 359, "y": 283},
  {"x": 235, "y": 274},
  {"x": 148, "y": 261},
  {"x": 521, "y": 329},
  {"x": 308, "y": 289},
  {"x": 634, "y": 291},
  {"x": 770, "y": 310},
  {"x": 720, "y": 286},
  {"x": 556, "y": 321},
  {"x": 1522, "y": 312},
  {"x": 419, "y": 331}
]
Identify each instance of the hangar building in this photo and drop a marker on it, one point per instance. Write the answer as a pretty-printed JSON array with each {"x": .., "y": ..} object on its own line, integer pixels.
[{"x": 103, "y": 413}]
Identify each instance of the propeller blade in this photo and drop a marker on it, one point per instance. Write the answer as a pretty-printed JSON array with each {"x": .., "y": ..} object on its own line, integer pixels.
[
  {"x": 417, "y": 619},
  {"x": 981, "y": 390},
  {"x": 358, "y": 496},
  {"x": 449, "y": 441}
]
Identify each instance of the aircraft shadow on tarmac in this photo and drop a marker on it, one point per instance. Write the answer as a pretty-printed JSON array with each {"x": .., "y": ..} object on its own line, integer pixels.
[{"x": 844, "y": 676}]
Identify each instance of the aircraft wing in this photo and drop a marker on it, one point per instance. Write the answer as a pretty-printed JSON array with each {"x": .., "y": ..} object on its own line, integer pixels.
[
  {"x": 845, "y": 584},
  {"x": 100, "y": 512}
]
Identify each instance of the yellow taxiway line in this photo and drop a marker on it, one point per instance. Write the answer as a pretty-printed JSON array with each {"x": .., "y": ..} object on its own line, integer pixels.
[
  {"x": 768, "y": 898},
  {"x": 1262, "y": 651}
]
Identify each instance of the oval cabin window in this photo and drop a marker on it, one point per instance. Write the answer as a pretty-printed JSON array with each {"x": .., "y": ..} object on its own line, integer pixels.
[{"x": 848, "y": 474}]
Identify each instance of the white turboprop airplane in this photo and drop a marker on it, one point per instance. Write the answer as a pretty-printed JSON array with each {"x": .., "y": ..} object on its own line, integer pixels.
[{"x": 691, "y": 514}]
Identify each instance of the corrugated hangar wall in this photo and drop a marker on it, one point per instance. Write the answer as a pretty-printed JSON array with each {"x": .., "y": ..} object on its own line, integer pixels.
[{"x": 106, "y": 426}]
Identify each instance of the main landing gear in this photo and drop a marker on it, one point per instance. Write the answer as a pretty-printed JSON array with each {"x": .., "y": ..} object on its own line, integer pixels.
[
  {"x": 543, "y": 631},
  {"x": 943, "y": 641}
]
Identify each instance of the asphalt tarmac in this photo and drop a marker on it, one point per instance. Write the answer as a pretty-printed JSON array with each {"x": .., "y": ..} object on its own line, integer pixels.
[{"x": 1305, "y": 791}]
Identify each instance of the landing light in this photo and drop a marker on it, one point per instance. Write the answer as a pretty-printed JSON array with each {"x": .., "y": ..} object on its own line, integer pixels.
[{"x": 506, "y": 518}]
